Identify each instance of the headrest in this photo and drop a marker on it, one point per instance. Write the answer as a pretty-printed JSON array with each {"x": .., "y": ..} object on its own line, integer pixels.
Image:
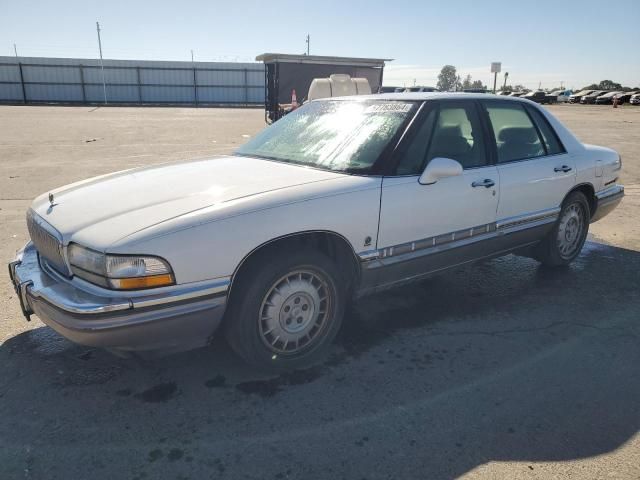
[
  {"x": 518, "y": 135},
  {"x": 449, "y": 131}
]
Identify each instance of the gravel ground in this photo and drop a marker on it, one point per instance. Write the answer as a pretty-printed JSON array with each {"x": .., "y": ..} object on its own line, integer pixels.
[{"x": 503, "y": 370}]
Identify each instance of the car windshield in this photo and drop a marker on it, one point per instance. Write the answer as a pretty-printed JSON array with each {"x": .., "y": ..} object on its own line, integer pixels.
[{"x": 339, "y": 135}]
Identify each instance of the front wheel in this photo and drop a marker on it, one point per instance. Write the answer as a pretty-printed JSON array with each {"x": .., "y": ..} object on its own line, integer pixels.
[
  {"x": 286, "y": 310},
  {"x": 565, "y": 241}
]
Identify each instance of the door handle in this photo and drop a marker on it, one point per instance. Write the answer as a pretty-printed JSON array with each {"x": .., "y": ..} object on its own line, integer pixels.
[
  {"x": 487, "y": 183},
  {"x": 563, "y": 168}
]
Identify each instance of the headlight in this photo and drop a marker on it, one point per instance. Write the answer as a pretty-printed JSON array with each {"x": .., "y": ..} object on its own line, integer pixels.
[{"x": 120, "y": 272}]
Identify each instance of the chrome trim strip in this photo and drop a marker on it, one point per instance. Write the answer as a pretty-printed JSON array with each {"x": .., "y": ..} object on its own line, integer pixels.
[
  {"x": 187, "y": 293},
  {"x": 214, "y": 288},
  {"x": 550, "y": 213},
  {"x": 462, "y": 237},
  {"x": 609, "y": 194},
  {"x": 369, "y": 255}
]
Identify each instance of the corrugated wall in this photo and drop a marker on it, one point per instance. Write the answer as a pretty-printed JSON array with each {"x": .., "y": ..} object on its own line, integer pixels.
[{"x": 77, "y": 80}]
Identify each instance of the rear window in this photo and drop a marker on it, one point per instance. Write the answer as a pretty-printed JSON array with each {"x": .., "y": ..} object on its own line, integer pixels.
[
  {"x": 549, "y": 137},
  {"x": 516, "y": 136}
]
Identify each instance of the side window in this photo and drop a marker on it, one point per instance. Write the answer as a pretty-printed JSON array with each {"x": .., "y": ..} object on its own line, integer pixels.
[
  {"x": 549, "y": 137},
  {"x": 516, "y": 137},
  {"x": 413, "y": 158},
  {"x": 458, "y": 135}
]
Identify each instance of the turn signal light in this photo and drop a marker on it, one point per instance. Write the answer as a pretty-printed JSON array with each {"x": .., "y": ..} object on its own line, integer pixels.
[{"x": 142, "y": 282}]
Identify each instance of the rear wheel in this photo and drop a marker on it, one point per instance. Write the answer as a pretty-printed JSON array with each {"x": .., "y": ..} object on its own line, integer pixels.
[
  {"x": 565, "y": 241},
  {"x": 286, "y": 310}
]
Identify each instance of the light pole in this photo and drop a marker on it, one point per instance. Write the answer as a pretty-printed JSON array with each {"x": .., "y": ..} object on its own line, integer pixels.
[
  {"x": 308, "y": 42},
  {"x": 104, "y": 83},
  {"x": 506, "y": 74}
]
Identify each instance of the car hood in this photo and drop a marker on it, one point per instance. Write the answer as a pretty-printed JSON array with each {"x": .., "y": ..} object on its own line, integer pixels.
[{"x": 123, "y": 203}]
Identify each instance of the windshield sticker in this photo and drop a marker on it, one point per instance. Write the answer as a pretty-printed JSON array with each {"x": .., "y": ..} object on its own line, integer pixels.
[{"x": 393, "y": 107}]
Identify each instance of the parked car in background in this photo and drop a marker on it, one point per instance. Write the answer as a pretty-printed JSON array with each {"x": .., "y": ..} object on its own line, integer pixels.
[
  {"x": 561, "y": 96},
  {"x": 635, "y": 99},
  {"x": 590, "y": 99},
  {"x": 417, "y": 89},
  {"x": 625, "y": 97},
  {"x": 385, "y": 89},
  {"x": 607, "y": 98},
  {"x": 538, "y": 96},
  {"x": 475, "y": 90},
  {"x": 576, "y": 97},
  {"x": 517, "y": 94},
  {"x": 342, "y": 197}
]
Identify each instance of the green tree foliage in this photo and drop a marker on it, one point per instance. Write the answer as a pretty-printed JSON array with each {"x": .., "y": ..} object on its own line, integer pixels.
[
  {"x": 468, "y": 82},
  {"x": 448, "y": 79},
  {"x": 605, "y": 85},
  {"x": 515, "y": 88}
]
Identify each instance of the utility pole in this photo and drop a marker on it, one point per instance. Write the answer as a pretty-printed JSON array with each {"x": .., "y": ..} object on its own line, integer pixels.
[
  {"x": 104, "y": 83},
  {"x": 191, "y": 56},
  {"x": 15, "y": 50},
  {"x": 308, "y": 42}
]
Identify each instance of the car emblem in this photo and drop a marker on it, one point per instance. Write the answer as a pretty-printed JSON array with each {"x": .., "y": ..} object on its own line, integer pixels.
[{"x": 51, "y": 199}]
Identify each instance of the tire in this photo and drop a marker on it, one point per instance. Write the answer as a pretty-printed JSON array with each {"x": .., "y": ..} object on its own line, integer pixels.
[
  {"x": 278, "y": 319},
  {"x": 565, "y": 241}
]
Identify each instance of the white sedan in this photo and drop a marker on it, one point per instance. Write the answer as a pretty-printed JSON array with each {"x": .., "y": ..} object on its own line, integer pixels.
[{"x": 341, "y": 198}]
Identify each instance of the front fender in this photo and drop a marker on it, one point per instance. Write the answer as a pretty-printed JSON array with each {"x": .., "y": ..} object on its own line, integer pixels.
[{"x": 208, "y": 249}]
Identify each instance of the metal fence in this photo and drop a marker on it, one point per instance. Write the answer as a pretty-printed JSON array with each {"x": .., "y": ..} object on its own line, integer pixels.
[{"x": 33, "y": 80}]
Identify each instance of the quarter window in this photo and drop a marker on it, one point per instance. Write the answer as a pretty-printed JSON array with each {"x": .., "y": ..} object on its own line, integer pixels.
[{"x": 516, "y": 136}]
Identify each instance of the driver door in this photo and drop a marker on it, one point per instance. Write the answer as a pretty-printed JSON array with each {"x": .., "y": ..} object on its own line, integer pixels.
[{"x": 424, "y": 228}]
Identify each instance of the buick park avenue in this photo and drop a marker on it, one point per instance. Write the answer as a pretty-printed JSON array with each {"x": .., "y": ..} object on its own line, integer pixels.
[{"x": 341, "y": 198}]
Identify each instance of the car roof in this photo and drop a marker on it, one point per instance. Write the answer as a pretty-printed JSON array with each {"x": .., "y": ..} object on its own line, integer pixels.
[{"x": 422, "y": 96}]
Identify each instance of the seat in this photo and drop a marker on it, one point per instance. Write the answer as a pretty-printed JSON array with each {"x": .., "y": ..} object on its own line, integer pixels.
[
  {"x": 448, "y": 142},
  {"x": 517, "y": 143}
]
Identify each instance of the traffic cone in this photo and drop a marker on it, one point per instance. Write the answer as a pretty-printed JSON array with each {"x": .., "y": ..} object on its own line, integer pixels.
[{"x": 294, "y": 100}]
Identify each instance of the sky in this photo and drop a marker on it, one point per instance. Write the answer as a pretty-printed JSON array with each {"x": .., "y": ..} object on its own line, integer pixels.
[{"x": 540, "y": 43}]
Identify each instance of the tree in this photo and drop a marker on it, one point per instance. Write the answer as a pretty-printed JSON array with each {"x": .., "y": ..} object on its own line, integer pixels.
[
  {"x": 448, "y": 80},
  {"x": 609, "y": 85},
  {"x": 604, "y": 85},
  {"x": 478, "y": 84},
  {"x": 467, "y": 83}
]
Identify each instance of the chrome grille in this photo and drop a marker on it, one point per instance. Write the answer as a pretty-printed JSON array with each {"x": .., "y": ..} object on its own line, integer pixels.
[{"x": 48, "y": 245}]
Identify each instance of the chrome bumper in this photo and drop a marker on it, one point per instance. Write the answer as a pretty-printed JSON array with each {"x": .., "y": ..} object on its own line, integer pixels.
[
  {"x": 164, "y": 320},
  {"x": 606, "y": 201}
]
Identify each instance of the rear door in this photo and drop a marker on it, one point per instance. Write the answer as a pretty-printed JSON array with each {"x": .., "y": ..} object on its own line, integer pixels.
[
  {"x": 535, "y": 170},
  {"x": 427, "y": 227}
]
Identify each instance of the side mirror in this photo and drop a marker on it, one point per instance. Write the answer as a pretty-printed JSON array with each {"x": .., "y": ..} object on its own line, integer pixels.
[{"x": 438, "y": 168}]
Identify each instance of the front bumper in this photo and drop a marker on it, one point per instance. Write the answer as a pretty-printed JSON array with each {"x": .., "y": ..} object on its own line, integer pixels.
[
  {"x": 165, "y": 321},
  {"x": 606, "y": 201}
]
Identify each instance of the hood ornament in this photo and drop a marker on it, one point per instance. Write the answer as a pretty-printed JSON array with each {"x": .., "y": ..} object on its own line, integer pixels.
[{"x": 51, "y": 199}]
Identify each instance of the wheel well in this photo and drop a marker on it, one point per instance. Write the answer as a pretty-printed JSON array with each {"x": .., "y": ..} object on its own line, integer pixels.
[
  {"x": 589, "y": 192},
  {"x": 331, "y": 244}
]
